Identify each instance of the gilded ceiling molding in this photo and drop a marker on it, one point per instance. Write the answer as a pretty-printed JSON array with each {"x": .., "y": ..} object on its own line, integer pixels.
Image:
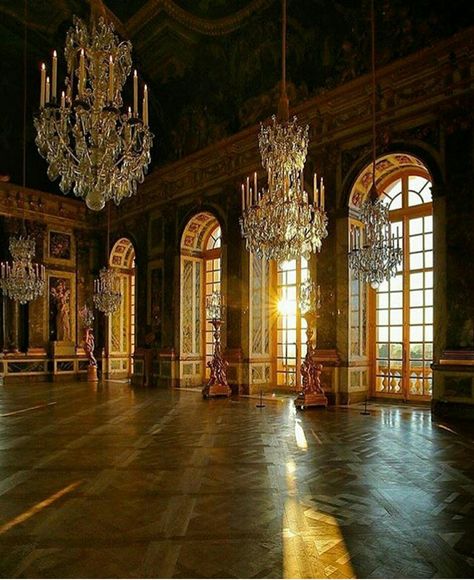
[
  {"x": 421, "y": 84},
  {"x": 207, "y": 26},
  {"x": 38, "y": 206}
]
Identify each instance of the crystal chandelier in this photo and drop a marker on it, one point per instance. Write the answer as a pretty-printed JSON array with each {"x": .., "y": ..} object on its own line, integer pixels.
[
  {"x": 374, "y": 253},
  {"x": 99, "y": 152},
  {"x": 107, "y": 296},
  {"x": 281, "y": 222},
  {"x": 22, "y": 280}
]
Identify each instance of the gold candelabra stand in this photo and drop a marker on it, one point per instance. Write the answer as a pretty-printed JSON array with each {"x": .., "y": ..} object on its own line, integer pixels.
[
  {"x": 312, "y": 393},
  {"x": 217, "y": 386}
]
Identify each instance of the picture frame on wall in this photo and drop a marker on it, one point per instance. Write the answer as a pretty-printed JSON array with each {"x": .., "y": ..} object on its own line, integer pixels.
[{"x": 60, "y": 247}]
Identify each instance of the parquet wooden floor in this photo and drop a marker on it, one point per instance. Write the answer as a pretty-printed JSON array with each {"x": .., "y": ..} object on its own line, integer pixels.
[{"x": 116, "y": 482}]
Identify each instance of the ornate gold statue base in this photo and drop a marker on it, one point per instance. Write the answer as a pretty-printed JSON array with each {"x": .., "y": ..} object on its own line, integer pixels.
[
  {"x": 92, "y": 374},
  {"x": 216, "y": 391},
  {"x": 312, "y": 394},
  {"x": 311, "y": 400}
]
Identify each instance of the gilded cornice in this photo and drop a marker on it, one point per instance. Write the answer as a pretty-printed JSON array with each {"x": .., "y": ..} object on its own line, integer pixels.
[
  {"x": 207, "y": 26},
  {"x": 417, "y": 86},
  {"x": 38, "y": 206}
]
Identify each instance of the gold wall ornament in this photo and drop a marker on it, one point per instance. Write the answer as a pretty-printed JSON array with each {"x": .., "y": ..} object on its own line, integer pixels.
[
  {"x": 280, "y": 222},
  {"x": 97, "y": 151}
]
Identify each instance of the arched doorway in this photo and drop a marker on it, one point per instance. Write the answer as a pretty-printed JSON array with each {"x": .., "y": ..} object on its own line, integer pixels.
[
  {"x": 200, "y": 276},
  {"x": 399, "y": 337},
  {"x": 121, "y": 324}
]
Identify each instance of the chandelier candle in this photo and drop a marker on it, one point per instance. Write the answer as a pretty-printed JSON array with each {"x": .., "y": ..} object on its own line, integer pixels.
[{"x": 97, "y": 152}]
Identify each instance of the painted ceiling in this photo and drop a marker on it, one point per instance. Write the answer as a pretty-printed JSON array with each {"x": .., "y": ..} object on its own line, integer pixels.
[{"x": 213, "y": 66}]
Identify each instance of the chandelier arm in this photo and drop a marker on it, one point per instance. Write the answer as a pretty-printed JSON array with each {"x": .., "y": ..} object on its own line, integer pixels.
[{"x": 64, "y": 144}]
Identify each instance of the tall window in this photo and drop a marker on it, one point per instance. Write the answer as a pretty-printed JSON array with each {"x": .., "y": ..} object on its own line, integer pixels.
[
  {"x": 404, "y": 304},
  {"x": 212, "y": 267},
  {"x": 200, "y": 276},
  {"x": 291, "y": 327},
  {"x": 121, "y": 324}
]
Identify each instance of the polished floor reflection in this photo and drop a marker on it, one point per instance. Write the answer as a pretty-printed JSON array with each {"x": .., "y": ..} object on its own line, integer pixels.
[{"x": 115, "y": 482}]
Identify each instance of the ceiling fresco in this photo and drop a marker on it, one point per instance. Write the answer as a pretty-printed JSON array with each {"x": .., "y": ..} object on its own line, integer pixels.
[{"x": 213, "y": 66}]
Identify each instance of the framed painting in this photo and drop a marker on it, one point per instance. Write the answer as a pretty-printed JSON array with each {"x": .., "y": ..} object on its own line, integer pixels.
[
  {"x": 60, "y": 247},
  {"x": 62, "y": 306}
]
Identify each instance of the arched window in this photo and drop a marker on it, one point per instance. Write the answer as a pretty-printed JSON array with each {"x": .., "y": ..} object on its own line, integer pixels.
[
  {"x": 200, "y": 276},
  {"x": 401, "y": 340},
  {"x": 121, "y": 324}
]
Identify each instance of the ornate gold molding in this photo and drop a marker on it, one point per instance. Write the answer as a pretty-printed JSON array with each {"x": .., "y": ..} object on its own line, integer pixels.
[
  {"x": 207, "y": 26},
  {"x": 34, "y": 205},
  {"x": 413, "y": 88}
]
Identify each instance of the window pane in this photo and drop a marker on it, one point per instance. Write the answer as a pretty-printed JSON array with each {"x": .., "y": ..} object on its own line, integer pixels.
[
  {"x": 396, "y": 334},
  {"x": 396, "y": 316},
  {"x": 414, "y": 198},
  {"x": 396, "y": 351},
  {"x": 429, "y": 315},
  {"x": 416, "y": 333},
  {"x": 429, "y": 259},
  {"x": 382, "y": 317},
  {"x": 416, "y": 281},
  {"x": 416, "y": 261},
  {"x": 428, "y": 333},
  {"x": 382, "y": 334},
  {"x": 416, "y": 298},
  {"x": 416, "y": 351},
  {"x": 396, "y": 202},
  {"x": 396, "y": 300},
  {"x": 416, "y": 243},
  {"x": 382, "y": 350},
  {"x": 416, "y": 226},
  {"x": 382, "y": 300},
  {"x": 396, "y": 283},
  {"x": 416, "y": 315}
]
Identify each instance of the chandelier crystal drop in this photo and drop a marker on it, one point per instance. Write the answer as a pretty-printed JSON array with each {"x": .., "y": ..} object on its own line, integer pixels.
[
  {"x": 375, "y": 252},
  {"x": 22, "y": 280},
  {"x": 280, "y": 222},
  {"x": 97, "y": 151},
  {"x": 107, "y": 296}
]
